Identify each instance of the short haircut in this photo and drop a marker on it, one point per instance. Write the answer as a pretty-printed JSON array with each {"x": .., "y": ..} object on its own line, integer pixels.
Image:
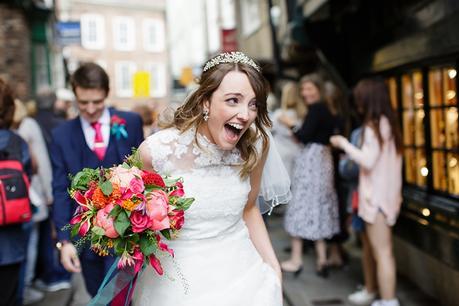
[
  {"x": 90, "y": 76},
  {"x": 6, "y": 105}
]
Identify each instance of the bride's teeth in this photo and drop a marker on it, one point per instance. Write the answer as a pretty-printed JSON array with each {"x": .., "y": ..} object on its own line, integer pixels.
[{"x": 236, "y": 126}]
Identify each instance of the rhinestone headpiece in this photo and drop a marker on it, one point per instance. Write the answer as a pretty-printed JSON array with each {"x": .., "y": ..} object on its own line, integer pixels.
[{"x": 231, "y": 57}]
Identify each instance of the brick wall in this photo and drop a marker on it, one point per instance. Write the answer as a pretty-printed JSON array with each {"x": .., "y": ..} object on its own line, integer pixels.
[{"x": 15, "y": 50}]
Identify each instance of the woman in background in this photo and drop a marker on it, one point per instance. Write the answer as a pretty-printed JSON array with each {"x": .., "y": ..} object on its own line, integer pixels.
[
  {"x": 380, "y": 180},
  {"x": 313, "y": 210}
]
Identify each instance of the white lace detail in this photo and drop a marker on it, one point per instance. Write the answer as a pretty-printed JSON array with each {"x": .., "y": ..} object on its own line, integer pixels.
[{"x": 211, "y": 176}]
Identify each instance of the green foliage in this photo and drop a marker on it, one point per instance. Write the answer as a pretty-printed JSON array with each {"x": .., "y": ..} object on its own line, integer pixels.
[
  {"x": 106, "y": 187},
  {"x": 81, "y": 180},
  {"x": 119, "y": 246},
  {"x": 134, "y": 159},
  {"x": 184, "y": 203},
  {"x": 115, "y": 211},
  {"x": 98, "y": 230},
  {"x": 166, "y": 233},
  {"x": 148, "y": 245},
  {"x": 122, "y": 222}
]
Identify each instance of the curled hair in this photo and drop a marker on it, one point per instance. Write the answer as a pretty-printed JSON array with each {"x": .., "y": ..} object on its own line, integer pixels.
[
  {"x": 6, "y": 105},
  {"x": 372, "y": 96},
  {"x": 189, "y": 114}
]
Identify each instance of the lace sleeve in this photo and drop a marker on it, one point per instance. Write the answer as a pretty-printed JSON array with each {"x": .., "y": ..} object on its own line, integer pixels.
[{"x": 275, "y": 181}]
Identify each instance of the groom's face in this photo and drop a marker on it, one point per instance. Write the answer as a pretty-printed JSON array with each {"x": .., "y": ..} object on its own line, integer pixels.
[{"x": 91, "y": 103}]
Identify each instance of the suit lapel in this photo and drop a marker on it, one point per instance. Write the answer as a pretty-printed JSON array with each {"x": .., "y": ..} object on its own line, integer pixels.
[{"x": 79, "y": 142}]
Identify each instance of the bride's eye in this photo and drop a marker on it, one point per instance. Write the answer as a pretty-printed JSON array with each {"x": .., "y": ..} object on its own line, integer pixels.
[
  {"x": 232, "y": 100},
  {"x": 253, "y": 104}
]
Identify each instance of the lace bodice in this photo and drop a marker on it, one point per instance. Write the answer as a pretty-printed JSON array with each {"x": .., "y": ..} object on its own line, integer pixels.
[{"x": 210, "y": 175}]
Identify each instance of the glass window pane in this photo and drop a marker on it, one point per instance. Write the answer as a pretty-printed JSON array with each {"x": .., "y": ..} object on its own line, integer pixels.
[
  {"x": 419, "y": 127},
  {"x": 421, "y": 168},
  {"x": 407, "y": 91},
  {"x": 453, "y": 174},
  {"x": 437, "y": 128},
  {"x": 435, "y": 88},
  {"x": 410, "y": 166},
  {"x": 451, "y": 128},
  {"x": 439, "y": 170},
  {"x": 408, "y": 127},
  {"x": 449, "y": 77},
  {"x": 418, "y": 89},
  {"x": 392, "y": 84}
]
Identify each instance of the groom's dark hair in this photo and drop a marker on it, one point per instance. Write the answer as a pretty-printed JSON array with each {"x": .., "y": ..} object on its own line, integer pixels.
[{"x": 90, "y": 76}]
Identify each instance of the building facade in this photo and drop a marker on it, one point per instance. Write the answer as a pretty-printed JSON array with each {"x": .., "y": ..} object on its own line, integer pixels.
[{"x": 129, "y": 40}]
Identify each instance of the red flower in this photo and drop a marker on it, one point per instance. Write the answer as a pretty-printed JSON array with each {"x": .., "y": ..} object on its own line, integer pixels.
[
  {"x": 177, "y": 218},
  {"x": 117, "y": 120},
  {"x": 154, "y": 262},
  {"x": 151, "y": 178}
]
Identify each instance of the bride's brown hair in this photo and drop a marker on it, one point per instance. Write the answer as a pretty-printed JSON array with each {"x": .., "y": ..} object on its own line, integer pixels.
[{"x": 190, "y": 114}]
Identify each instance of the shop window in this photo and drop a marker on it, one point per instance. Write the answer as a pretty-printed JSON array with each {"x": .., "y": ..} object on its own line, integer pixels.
[
  {"x": 413, "y": 115},
  {"x": 444, "y": 129},
  {"x": 392, "y": 85}
]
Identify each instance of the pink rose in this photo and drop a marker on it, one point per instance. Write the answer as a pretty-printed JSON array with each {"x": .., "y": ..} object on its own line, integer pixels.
[
  {"x": 140, "y": 222},
  {"x": 122, "y": 176},
  {"x": 157, "y": 209},
  {"x": 105, "y": 221},
  {"x": 137, "y": 185}
]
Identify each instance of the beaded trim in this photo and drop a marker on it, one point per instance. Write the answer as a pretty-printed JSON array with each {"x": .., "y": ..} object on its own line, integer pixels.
[{"x": 231, "y": 57}]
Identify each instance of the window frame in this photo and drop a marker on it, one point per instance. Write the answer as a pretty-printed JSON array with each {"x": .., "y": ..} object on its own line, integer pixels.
[
  {"x": 122, "y": 92},
  {"x": 158, "y": 27},
  {"x": 86, "y": 40},
  {"x": 427, "y": 124},
  {"x": 130, "y": 43},
  {"x": 158, "y": 91}
]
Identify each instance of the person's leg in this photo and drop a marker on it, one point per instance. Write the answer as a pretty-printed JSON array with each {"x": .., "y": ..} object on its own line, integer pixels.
[
  {"x": 335, "y": 259},
  {"x": 368, "y": 265},
  {"x": 296, "y": 257},
  {"x": 9, "y": 284},
  {"x": 93, "y": 270},
  {"x": 380, "y": 237},
  {"x": 321, "y": 253}
]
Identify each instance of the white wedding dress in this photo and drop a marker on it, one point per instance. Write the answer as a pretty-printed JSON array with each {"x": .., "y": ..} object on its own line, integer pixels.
[{"x": 216, "y": 263}]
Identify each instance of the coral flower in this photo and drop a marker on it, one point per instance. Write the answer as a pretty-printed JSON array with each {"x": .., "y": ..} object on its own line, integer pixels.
[{"x": 99, "y": 200}]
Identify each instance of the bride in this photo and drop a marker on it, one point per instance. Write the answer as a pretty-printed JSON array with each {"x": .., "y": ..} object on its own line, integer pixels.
[{"x": 218, "y": 143}]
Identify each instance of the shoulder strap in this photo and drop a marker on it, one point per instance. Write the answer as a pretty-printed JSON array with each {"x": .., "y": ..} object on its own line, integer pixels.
[{"x": 13, "y": 149}]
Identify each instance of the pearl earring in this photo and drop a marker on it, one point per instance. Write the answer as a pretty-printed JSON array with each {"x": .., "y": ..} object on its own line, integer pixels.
[{"x": 205, "y": 115}]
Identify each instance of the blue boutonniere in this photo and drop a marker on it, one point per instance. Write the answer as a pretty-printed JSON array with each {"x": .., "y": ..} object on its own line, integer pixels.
[{"x": 118, "y": 127}]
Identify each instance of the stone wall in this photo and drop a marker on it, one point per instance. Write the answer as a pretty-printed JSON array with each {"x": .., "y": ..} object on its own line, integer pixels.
[{"x": 15, "y": 50}]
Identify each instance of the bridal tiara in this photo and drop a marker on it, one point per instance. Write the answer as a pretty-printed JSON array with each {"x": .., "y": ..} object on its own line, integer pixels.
[{"x": 231, "y": 57}]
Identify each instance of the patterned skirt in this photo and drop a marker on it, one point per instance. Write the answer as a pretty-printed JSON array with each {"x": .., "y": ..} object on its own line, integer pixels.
[{"x": 313, "y": 211}]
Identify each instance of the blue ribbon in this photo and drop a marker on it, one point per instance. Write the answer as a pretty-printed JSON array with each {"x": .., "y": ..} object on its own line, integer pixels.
[
  {"x": 114, "y": 282},
  {"x": 119, "y": 130}
]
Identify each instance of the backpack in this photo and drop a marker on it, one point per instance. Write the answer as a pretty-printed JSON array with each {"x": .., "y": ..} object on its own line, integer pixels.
[{"x": 14, "y": 184}]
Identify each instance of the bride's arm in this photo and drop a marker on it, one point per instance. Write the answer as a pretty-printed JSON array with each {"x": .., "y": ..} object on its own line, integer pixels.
[
  {"x": 254, "y": 221},
  {"x": 145, "y": 156}
]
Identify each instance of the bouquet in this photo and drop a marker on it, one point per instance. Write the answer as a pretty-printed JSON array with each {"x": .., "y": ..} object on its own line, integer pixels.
[{"x": 128, "y": 212}]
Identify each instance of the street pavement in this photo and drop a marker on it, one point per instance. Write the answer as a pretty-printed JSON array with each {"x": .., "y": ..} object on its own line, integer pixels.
[{"x": 305, "y": 290}]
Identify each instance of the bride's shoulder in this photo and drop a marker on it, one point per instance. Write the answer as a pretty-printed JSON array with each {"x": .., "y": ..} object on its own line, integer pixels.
[{"x": 165, "y": 136}]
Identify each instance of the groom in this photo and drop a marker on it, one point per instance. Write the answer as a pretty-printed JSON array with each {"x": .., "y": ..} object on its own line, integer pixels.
[{"x": 87, "y": 141}]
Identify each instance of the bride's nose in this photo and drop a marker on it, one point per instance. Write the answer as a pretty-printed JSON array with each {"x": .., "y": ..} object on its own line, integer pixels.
[{"x": 243, "y": 113}]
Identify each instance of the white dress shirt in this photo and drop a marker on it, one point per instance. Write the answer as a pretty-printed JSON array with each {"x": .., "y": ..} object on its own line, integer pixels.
[{"x": 90, "y": 133}]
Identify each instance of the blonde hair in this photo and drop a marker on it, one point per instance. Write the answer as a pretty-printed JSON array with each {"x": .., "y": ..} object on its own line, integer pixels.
[
  {"x": 20, "y": 112},
  {"x": 190, "y": 113},
  {"x": 291, "y": 99}
]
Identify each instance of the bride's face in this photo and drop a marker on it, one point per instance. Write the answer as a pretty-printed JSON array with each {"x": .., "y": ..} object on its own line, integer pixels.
[{"x": 232, "y": 109}]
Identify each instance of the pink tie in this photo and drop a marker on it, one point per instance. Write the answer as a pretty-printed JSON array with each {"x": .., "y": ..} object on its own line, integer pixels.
[{"x": 99, "y": 146}]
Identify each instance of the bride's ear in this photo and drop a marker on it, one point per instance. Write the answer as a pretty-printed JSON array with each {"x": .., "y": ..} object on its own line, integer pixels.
[{"x": 206, "y": 105}]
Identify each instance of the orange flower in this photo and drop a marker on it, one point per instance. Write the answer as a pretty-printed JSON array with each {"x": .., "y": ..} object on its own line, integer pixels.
[
  {"x": 116, "y": 193},
  {"x": 129, "y": 205},
  {"x": 99, "y": 200}
]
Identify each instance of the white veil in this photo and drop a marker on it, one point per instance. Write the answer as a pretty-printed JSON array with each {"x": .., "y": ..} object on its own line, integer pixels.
[{"x": 275, "y": 181}]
